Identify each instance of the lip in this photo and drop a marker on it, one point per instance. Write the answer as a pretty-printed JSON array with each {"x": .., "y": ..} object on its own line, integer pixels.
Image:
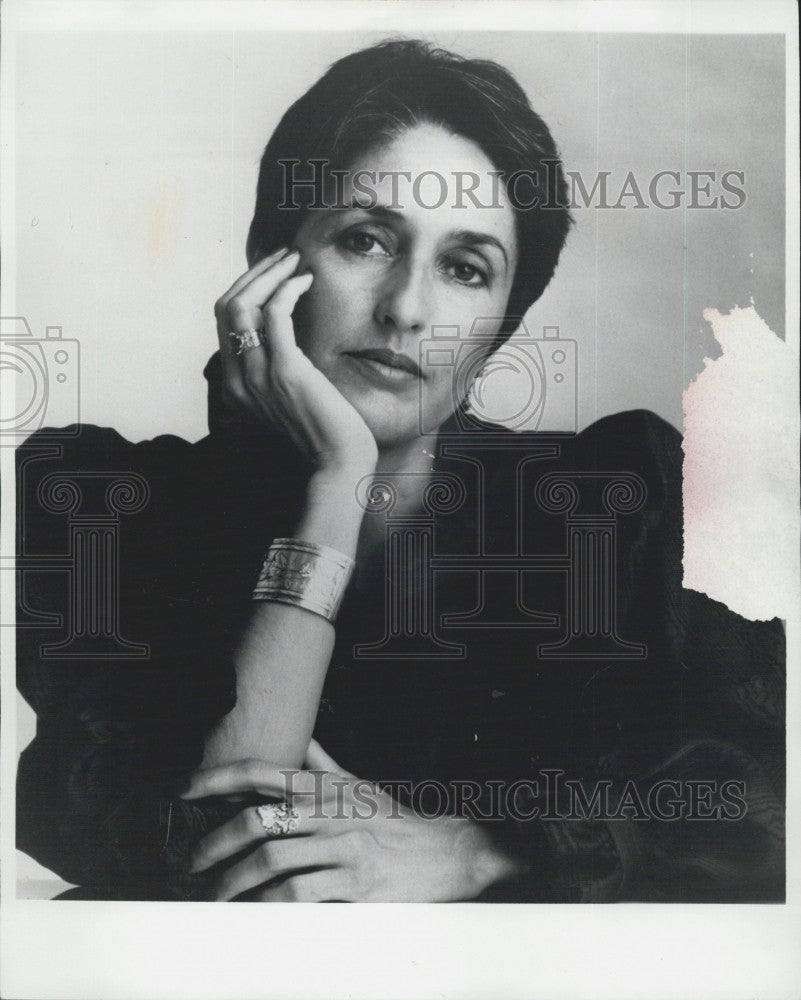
[{"x": 388, "y": 367}]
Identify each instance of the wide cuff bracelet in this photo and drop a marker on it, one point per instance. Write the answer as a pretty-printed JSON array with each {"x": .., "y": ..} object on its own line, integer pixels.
[{"x": 309, "y": 576}]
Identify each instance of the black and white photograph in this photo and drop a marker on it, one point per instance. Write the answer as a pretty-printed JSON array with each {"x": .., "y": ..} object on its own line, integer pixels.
[{"x": 399, "y": 445}]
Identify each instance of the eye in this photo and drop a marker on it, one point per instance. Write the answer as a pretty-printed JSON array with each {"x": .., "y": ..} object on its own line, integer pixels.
[
  {"x": 465, "y": 273},
  {"x": 364, "y": 242}
]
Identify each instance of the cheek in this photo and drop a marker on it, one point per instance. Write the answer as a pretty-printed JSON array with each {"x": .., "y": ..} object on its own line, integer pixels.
[
  {"x": 452, "y": 305},
  {"x": 439, "y": 391},
  {"x": 447, "y": 385},
  {"x": 337, "y": 302}
]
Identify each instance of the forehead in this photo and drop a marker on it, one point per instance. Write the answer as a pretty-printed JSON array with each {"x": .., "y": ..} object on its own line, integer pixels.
[{"x": 436, "y": 180}]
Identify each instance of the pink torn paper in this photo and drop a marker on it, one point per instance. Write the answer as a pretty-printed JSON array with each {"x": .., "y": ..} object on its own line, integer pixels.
[{"x": 741, "y": 471}]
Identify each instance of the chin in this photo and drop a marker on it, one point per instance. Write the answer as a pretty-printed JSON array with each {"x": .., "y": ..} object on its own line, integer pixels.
[
  {"x": 393, "y": 421},
  {"x": 388, "y": 431}
]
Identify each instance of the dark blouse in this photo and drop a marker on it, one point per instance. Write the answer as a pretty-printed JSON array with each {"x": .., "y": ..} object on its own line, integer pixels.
[{"x": 535, "y": 631}]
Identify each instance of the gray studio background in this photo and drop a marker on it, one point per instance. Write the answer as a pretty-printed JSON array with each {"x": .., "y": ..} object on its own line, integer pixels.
[
  {"x": 136, "y": 164},
  {"x": 136, "y": 169}
]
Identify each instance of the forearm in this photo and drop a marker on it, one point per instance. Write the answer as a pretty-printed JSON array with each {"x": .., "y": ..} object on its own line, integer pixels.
[{"x": 284, "y": 652}]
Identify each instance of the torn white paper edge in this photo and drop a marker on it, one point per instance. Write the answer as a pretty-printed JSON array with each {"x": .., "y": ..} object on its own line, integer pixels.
[{"x": 741, "y": 517}]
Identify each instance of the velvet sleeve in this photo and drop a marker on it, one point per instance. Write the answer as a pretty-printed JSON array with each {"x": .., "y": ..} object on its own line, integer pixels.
[
  {"x": 117, "y": 654},
  {"x": 686, "y": 748}
]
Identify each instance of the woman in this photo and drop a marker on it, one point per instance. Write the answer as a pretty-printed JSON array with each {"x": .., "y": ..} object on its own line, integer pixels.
[{"x": 390, "y": 206}]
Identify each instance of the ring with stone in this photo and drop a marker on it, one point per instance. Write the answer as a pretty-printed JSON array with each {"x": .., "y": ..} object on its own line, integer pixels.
[
  {"x": 245, "y": 340},
  {"x": 278, "y": 818}
]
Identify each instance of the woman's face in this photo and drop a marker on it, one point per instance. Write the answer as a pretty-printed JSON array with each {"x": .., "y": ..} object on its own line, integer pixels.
[{"x": 385, "y": 275}]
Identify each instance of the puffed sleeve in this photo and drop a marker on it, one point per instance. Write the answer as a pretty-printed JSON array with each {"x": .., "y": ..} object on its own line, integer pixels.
[
  {"x": 684, "y": 751},
  {"x": 117, "y": 654}
]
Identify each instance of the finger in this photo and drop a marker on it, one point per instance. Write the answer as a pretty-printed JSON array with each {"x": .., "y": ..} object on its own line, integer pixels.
[
  {"x": 254, "y": 287},
  {"x": 227, "y": 840},
  {"x": 327, "y": 886},
  {"x": 316, "y": 757},
  {"x": 278, "y": 334},
  {"x": 279, "y": 331},
  {"x": 247, "y": 829},
  {"x": 251, "y": 775},
  {"x": 244, "y": 279},
  {"x": 242, "y": 310},
  {"x": 275, "y": 858},
  {"x": 243, "y": 315}
]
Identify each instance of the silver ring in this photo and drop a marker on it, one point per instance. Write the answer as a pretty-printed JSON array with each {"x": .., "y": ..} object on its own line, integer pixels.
[
  {"x": 245, "y": 340},
  {"x": 278, "y": 818}
]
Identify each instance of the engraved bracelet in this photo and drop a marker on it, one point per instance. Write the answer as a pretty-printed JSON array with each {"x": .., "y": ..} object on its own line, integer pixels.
[{"x": 309, "y": 576}]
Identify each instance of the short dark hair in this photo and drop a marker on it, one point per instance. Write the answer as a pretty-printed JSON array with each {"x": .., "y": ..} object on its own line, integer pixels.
[{"x": 377, "y": 93}]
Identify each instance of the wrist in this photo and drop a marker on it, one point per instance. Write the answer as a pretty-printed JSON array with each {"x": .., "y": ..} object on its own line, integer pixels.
[
  {"x": 342, "y": 477},
  {"x": 332, "y": 514}
]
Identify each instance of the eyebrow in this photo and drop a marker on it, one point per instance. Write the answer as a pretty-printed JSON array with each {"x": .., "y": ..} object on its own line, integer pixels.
[
  {"x": 473, "y": 238},
  {"x": 469, "y": 236}
]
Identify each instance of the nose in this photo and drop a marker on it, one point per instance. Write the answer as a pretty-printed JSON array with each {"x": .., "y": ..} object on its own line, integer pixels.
[{"x": 402, "y": 305}]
